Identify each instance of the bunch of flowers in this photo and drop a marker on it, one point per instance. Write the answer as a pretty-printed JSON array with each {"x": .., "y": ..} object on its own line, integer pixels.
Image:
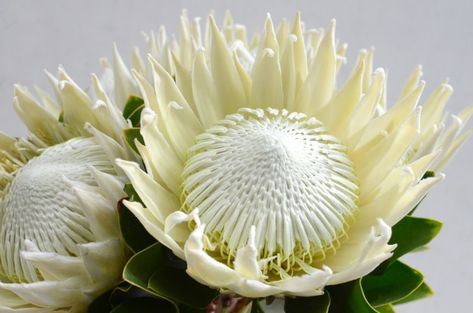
[{"x": 222, "y": 175}]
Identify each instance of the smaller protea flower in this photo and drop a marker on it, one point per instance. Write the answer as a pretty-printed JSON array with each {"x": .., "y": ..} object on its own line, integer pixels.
[
  {"x": 60, "y": 244},
  {"x": 262, "y": 175}
]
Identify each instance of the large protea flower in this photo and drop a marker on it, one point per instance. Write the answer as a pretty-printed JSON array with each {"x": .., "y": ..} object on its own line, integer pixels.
[
  {"x": 60, "y": 242},
  {"x": 265, "y": 175}
]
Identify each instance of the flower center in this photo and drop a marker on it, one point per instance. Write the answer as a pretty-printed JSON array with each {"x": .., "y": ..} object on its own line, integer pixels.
[
  {"x": 279, "y": 171},
  {"x": 41, "y": 205}
]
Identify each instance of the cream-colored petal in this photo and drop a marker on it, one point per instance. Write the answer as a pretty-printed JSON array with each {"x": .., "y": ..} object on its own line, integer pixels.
[
  {"x": 288, "y": 73},
  {"x": 181, "y": 123},
  {"x": 267, "y": 89},
  {"x": 412, "y": 82},
  {"x": 11, "y": 308},
  {"x": 209, "y": 108},
  {"x": 154, "y": 227},
  {"x": 10, "y": 300},
  {"x": 111, "y": 119},
  {"x": 374, "y": 164},
  {"x": 210, "y": 272},
  {"x": 371, "y": 252},
  {"x": 52, "y": 294},
  {"x": 225, "y": 74},
  {"x": 162, "y": 157},
  {"x": 176, "y": 225},
  {"x": 319, "y": 86},
  {"x": 391, "y": 120},
  {"x": 36, "y": 118},
  {"x": 300, "y": 58},
  {"x": 124, "y": 85},
  {"x": 53, "y": 266},
  {"x": 367, "y": 107},
  {"x": 338, "y": 111},
  {"x": 452, "y": 150},
  {"x": 160, "y": 201},
  {"x": 434, "y": 107},
  {"x": 100, "y": 214},
  {"x": 307, "y": 285},
  {"x": 77, "y": 106},
  {"x": 411, "y": 198},
  {"x": 111, "y": 148},
  {"x": 96, "y": 257},
  {"x": 184, "y": 81},
  {"x": 109, "y": 186},
  {"x": 246, "y": 263}
]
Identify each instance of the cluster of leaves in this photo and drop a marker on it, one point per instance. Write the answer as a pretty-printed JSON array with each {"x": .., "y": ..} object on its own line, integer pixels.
[{"x": 156, "y": 281}]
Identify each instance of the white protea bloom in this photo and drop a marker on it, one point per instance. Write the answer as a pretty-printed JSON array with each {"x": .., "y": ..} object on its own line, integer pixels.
[
  {"x": 264, "y": 176},
  {"x": 60, "y": 244}
]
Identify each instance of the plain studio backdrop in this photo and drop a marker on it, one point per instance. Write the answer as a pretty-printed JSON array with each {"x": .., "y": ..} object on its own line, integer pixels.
[{"x": 37, "y": 35}]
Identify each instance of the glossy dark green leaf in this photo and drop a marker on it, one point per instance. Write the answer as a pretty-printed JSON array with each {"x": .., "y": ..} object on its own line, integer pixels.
[
  {"x": 144, "y": 305},
  {"x": 388, "y": 308},
  {"x": 141, "y": 267},
  {"x": 397, "y": 282},
  {"x": 134, "y": 234},
  {"x": 318, "y": 304},
  {"x": 171, "y": 281},
  {"x": 156, "y": 270},
  {"x": 101, "y": 304},
  {"x": 423, "y": 291},
  {"x": 411, "y": 233},
  {"x": 256, "y": 307},
  {"x": 132, "y": 110},
  {"x": 349, "y": 298},
  {"x": 130, "y": 135}
]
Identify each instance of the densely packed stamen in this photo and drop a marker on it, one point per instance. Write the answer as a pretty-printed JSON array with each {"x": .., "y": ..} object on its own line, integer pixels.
[
  {"x": 279, "y": 171},
  {"x": 41, "y": 205}
]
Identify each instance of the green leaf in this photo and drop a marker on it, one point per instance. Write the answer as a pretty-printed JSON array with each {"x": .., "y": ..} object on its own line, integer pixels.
[
  {"x": 171, "y": 281},
  {"x": 411, "y": 233},
  {"x": 134, "y": 234},
  {"x": 397, "y": 282},
  {"x": 256, "y": 307},
  {"x": 131, "y": 193},
  {"x": 423, "y": 291},
  {"x": 158, "y": 271},
  {"x": 130, "y": 135},
  {"x": 388, "y": 308},
  {"x": 318, "y": 304},
  {"x": 142, "y": 266},
  {"x": 349, "y": 298},
  {"x": 144, "y": 305},
  {"x": 132, "y": 110},
  {"x": 60, "y": 118},
  {"x": 428, "y": 174},
  {"x": 101, "y": 304}
]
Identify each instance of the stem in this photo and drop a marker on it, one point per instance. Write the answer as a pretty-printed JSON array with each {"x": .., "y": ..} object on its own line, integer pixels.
[{"x": 228, "y": 303}]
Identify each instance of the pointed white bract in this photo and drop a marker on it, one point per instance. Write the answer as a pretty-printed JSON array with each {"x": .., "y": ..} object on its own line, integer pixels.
[
  {"x": 60, "y": 243},
  {"x": 266, "y": 174}
]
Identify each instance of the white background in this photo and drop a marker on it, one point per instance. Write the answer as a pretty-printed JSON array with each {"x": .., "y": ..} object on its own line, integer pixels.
[{"x": 37, "y": 35}]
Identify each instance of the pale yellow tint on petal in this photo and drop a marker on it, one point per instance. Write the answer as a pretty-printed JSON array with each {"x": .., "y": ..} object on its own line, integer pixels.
[
  {"x": 225, "y": 74},
  {"x": 209, "y": 108},
  {"x": 319, "y": 86}
]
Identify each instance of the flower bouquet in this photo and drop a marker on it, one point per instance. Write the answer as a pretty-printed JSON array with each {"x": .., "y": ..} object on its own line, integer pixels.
[{"x": 223, "y": 174}]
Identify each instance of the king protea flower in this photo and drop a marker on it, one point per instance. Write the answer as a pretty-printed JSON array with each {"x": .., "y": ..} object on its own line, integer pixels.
[
  {"x": 264, "y": 175},
  {"x": 60, "y": 242}
]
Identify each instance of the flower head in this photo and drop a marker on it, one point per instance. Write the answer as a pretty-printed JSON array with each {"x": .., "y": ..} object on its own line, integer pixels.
[
  {"x": 60, "y": 243},
  {"x": 264, "y": 176}
]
